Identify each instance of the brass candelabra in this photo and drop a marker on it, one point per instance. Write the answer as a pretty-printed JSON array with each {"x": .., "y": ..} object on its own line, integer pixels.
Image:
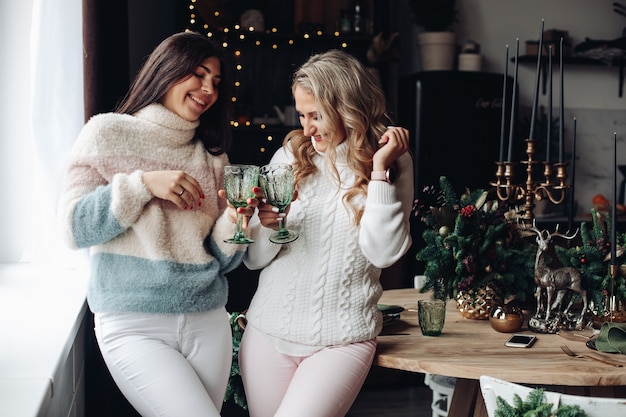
[{"x": 552, "y": 186}]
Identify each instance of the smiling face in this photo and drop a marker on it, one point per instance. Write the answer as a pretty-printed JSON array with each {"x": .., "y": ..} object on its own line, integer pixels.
[
  {"x": 193, "y": 95},
  {"x": 311, "y": 121}
]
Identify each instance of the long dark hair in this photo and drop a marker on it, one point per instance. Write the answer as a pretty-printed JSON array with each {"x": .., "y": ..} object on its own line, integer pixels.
[{"x": 173, "y": 59}]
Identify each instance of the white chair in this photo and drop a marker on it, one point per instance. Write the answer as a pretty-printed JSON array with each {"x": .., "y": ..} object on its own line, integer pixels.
[
  {"x": 442, "y": 388},
  {"x": 491, "y": 388}
]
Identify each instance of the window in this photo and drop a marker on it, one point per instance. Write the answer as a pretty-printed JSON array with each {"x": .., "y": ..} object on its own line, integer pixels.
[{"x": 41, "y": 113}]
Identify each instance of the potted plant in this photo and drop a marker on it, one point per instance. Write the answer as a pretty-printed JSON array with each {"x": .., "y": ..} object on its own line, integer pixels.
[
  {"x": 474, "y": 252},
  {"x": 437, "y": 41}
]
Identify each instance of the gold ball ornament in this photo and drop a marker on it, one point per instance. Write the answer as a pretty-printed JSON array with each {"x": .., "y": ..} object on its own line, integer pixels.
[
  {"x": 506, "y": 318},
  {"x": 444, "y": 231}
]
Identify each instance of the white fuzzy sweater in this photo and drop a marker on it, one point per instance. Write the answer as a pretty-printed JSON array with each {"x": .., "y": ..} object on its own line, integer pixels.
[{"x": 323, "y": 289}]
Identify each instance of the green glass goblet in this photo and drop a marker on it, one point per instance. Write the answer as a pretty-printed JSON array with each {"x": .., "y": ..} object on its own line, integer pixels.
[
  {"x": 276, "y": 180},
  {"x": 239, "y": 181}
]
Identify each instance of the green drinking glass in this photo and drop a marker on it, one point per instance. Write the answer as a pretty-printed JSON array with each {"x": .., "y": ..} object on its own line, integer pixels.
[
  {"x": 239, "y": 181},
  {"x": 277, "y": 183}
]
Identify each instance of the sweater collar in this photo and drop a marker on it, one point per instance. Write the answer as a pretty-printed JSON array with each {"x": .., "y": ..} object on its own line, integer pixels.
[
  {"x": 158, "y": 114},
  {"x": 341, "y": 151}
]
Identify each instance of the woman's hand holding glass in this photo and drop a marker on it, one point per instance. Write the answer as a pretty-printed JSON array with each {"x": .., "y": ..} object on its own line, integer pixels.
[{"x": 241, "y": 189}]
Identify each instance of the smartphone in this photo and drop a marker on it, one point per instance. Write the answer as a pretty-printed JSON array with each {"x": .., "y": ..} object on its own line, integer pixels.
[{"x": 521, "y": 340}]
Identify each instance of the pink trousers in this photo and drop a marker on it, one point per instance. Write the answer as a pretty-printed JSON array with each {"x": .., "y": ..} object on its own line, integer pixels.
[
  {"x": 324, "y": 384},
  {"x": 168, "y": 365}
]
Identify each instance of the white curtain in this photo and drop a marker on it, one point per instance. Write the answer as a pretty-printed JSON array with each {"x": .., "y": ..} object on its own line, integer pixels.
[{"x": 56, "y": 115}]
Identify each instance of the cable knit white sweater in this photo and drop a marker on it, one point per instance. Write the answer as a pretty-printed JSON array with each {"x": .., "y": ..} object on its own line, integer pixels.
[{"x": 323, "y": 289}]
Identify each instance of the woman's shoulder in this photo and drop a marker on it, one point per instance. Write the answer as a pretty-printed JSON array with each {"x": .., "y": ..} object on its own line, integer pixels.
[
  {"x": 107, "y": 122},
  {"x": 102, "y": 130},
  {"x": 283, "y": 154}
]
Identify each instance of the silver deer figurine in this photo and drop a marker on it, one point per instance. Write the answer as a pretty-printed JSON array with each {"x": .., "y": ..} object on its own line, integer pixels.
[{"x": 554, "y": 283}]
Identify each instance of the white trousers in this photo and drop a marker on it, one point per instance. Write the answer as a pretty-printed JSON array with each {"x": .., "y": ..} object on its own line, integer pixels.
[
  {"x": 324, "y": 384},
  {"x": 168, "y": 365}
]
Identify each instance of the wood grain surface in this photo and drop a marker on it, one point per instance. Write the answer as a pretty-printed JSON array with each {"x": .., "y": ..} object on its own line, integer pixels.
[{"x": 471, "y": 348}]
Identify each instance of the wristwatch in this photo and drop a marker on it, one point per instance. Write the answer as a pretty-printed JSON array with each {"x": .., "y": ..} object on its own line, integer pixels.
[{"x": 389, "y": 175}]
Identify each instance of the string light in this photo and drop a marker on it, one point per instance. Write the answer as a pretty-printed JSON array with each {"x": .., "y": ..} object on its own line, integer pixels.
[{"x": 270, "y": 39}]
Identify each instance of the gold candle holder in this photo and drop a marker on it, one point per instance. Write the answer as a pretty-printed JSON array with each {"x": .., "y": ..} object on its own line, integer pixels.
[{"x": 551, "y": 187}]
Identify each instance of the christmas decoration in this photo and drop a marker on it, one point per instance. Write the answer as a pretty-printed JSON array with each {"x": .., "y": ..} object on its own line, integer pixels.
[
  {"x": 471, "y": 241},
  {"x": 592, "y": 259},
  {"x": 477, "y": 305},
  {"x": 234, "y": 389},
  {"x": 535, "y": 405},
  {"x": 556, "y": 288}
]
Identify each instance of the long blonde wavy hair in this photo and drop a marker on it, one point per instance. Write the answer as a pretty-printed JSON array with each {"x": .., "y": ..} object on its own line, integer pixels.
[{"x": 347, "y": 94}]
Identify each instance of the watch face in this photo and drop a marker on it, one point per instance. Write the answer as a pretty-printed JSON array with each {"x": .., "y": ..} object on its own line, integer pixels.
[{"x": 391, "y": 175}]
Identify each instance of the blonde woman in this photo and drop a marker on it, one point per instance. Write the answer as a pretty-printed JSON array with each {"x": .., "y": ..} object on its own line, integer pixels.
[{"x": 313, "y": 322}]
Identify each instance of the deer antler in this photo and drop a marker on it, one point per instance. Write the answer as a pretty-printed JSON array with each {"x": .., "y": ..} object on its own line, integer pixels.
[
  {"x": 564, "y": 236},
  {"x": 525, "y": 228}
]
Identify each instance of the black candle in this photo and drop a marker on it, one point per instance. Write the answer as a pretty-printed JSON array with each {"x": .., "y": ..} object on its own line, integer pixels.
[
  {"x": 513, "y": 100},
  {"x": 537, "y": 77},
  {"x": 506, "y": 76},
  {"x": 614, "y": 205},
  {"x": 572, "y": 190},
  {"x": 549, "y": 132},
  {"x": 561, "y": 107}
]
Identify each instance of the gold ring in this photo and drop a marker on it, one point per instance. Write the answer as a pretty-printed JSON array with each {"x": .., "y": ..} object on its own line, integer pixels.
[{"x": 181, "y": 193}]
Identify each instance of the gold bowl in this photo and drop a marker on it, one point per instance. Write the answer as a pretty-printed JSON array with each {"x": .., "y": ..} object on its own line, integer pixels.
[{"x": 506, "y": 319}]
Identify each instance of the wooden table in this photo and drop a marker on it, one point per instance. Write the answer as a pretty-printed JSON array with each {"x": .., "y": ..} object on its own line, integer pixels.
[{"x": 468, "y": 349}]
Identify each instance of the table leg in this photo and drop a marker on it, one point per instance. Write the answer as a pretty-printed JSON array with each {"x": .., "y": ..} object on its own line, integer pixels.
[{"x": 467, "y": 400}]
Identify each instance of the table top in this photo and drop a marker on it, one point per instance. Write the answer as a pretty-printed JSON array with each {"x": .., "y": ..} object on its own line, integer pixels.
[{"x": 471, "y": 348}]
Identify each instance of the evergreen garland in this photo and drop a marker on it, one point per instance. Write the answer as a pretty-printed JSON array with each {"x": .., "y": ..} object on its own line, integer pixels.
[
  {"x": 535, "y": 406},
  {"x": 469, "y": 242},
  {"x": 592, "y": 259},
  {"x": 234, "y": 389}
]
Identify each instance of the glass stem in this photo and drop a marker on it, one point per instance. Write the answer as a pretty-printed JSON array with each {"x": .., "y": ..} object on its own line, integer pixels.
[
  {"x": 239, "y": 228},
  {"x": 282, "y": 229}
]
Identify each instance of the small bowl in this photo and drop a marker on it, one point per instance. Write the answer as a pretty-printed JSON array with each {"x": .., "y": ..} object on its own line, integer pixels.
[{"x": 506, "y": 319}]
